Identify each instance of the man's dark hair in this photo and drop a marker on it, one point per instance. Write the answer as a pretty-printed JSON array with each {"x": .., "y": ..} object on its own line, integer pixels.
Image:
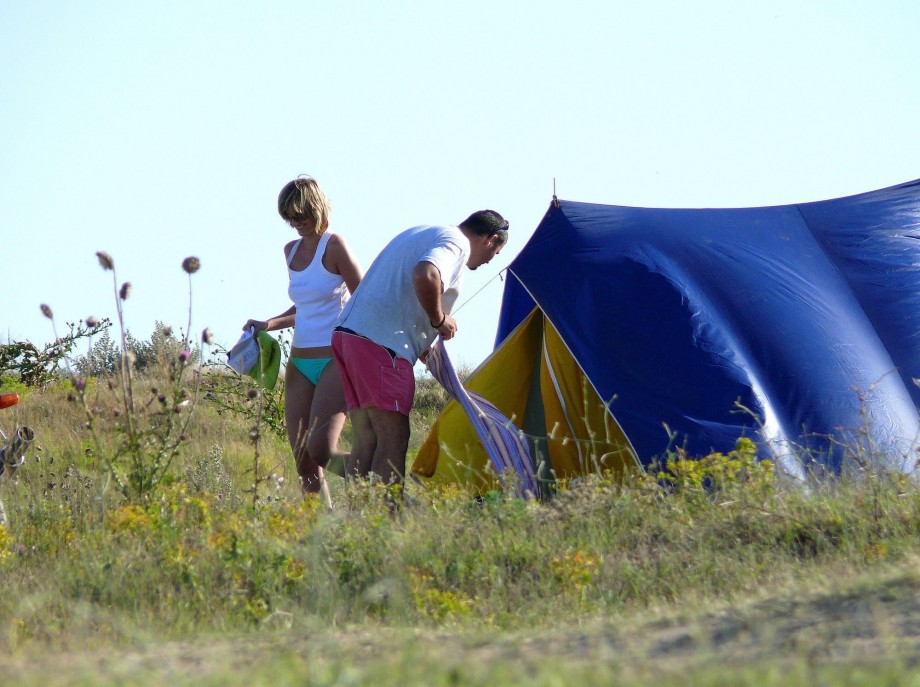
[{"x": 486, "y": 223}]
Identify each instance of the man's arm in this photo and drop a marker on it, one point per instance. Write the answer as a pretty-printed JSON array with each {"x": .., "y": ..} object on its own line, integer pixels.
[{"x": 428, "y": 289}]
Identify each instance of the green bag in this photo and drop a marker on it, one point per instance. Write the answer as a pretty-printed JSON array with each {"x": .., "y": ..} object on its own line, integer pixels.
[{"x": 266, "y": 369}]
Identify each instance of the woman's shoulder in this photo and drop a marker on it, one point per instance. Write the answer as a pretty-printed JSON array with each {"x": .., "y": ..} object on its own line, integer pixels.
[
  {"x": 336, "y": 242},
  {"x": 289, "y": 246},
  {"x": 337, "y": 256}
]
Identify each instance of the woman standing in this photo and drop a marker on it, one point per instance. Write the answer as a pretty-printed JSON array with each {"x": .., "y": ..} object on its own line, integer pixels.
[{"x": 323, "y": 273}]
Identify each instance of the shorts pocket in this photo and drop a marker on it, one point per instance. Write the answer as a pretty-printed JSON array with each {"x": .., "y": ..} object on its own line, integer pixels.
[
  {"x": 392, "y": 382},
  {"x": 397, "y": 387}
]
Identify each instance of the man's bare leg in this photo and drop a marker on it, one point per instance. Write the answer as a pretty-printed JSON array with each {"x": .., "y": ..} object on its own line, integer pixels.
[
  {"x": 392, "y": 433},
  {"x": 363, "y": 443}
]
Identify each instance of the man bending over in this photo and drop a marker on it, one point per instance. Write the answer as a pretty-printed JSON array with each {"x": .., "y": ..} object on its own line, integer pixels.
[{"x": 392, "y": 319}]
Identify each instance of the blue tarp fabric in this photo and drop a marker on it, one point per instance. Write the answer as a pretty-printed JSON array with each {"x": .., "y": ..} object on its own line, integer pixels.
[{"x": 797, "y": 324}]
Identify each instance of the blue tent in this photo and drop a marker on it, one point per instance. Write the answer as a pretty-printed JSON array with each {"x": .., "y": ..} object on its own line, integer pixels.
[{"x": 797, "y": 325}]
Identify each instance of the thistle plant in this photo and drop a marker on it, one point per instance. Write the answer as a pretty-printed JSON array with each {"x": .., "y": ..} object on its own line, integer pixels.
[
  {"x": 257, "y": 398},
  {"x": 232, "y": 393},
  {"x": 32, "y": 366},
  {"x": 149, "y": 432},
  {"x": 242, "y": 396}
]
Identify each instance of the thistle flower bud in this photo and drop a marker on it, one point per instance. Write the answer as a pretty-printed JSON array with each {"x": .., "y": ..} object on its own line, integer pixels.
[
  {"x": 191, "y": 264},
  {"x": 167, "y": 330},
  {"x": 184, "y": 356},
  {"x": 207, "y": 336},
  {"x": 125, "y": 291},
  {"x": 46, "y": 311},
  {"x": 79, "y": 383},
  {"x": 105, "y": 260},
  {"x": 92, "y": 322}
]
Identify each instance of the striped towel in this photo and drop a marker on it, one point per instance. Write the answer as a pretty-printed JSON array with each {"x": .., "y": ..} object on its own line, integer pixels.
[{"x": 505, "y": 443}]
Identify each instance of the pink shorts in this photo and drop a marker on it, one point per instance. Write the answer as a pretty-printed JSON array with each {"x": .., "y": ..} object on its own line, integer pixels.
[{"x": 371, "y": 376}]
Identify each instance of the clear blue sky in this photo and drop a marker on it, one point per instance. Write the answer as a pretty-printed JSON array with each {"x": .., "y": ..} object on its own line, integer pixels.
[{"x": 165, "y": 129}]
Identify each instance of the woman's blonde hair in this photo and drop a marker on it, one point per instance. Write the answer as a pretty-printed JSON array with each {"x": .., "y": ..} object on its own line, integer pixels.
[{"x": 303, "y": 199}]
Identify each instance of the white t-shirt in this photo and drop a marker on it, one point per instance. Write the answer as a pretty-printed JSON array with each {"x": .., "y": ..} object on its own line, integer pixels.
[{"x": 385, "y": 307}]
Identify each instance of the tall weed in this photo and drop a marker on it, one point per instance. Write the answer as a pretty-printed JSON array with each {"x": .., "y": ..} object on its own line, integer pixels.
[{"x": 136, "y": 430}]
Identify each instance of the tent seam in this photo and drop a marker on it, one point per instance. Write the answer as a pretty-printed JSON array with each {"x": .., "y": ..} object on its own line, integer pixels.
[{"x": 632, "y": 449}]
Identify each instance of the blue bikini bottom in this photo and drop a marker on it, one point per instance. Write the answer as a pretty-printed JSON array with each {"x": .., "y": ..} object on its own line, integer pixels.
[{"x": 311, "y": 368}]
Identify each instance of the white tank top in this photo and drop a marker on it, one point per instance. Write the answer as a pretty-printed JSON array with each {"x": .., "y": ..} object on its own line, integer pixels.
[{"x": 319, "y": 297}]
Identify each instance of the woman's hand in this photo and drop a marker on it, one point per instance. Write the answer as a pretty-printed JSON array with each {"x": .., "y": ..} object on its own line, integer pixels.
[{"x": 257, "y": 325}]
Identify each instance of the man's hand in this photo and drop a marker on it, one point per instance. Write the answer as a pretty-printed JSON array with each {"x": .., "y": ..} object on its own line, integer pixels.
[
  {"x": 428, "y": 288},
  {"x": 448, "y": 328}
]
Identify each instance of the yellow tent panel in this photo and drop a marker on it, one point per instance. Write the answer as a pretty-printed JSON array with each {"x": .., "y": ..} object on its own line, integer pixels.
[
  {"x": 452, "y": 452},
  {"x": 582, "y": 435},
  {"x": 534, "y": 381}
]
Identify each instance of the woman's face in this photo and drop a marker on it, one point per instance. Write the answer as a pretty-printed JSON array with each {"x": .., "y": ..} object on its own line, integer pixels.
[{"x": 304, "y": 227}]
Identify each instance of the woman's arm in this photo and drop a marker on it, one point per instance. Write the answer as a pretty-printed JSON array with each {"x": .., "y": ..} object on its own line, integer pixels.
[
  {"x": 282, "y": 321},
  {"x": 339, "y": 260}
]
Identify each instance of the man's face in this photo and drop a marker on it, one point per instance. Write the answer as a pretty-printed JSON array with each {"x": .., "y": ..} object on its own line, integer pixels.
[{"x": 482, "y": 250}]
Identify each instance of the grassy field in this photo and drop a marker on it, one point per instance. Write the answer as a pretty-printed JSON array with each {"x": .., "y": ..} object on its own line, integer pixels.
[{"x": 211, "y": 568}]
